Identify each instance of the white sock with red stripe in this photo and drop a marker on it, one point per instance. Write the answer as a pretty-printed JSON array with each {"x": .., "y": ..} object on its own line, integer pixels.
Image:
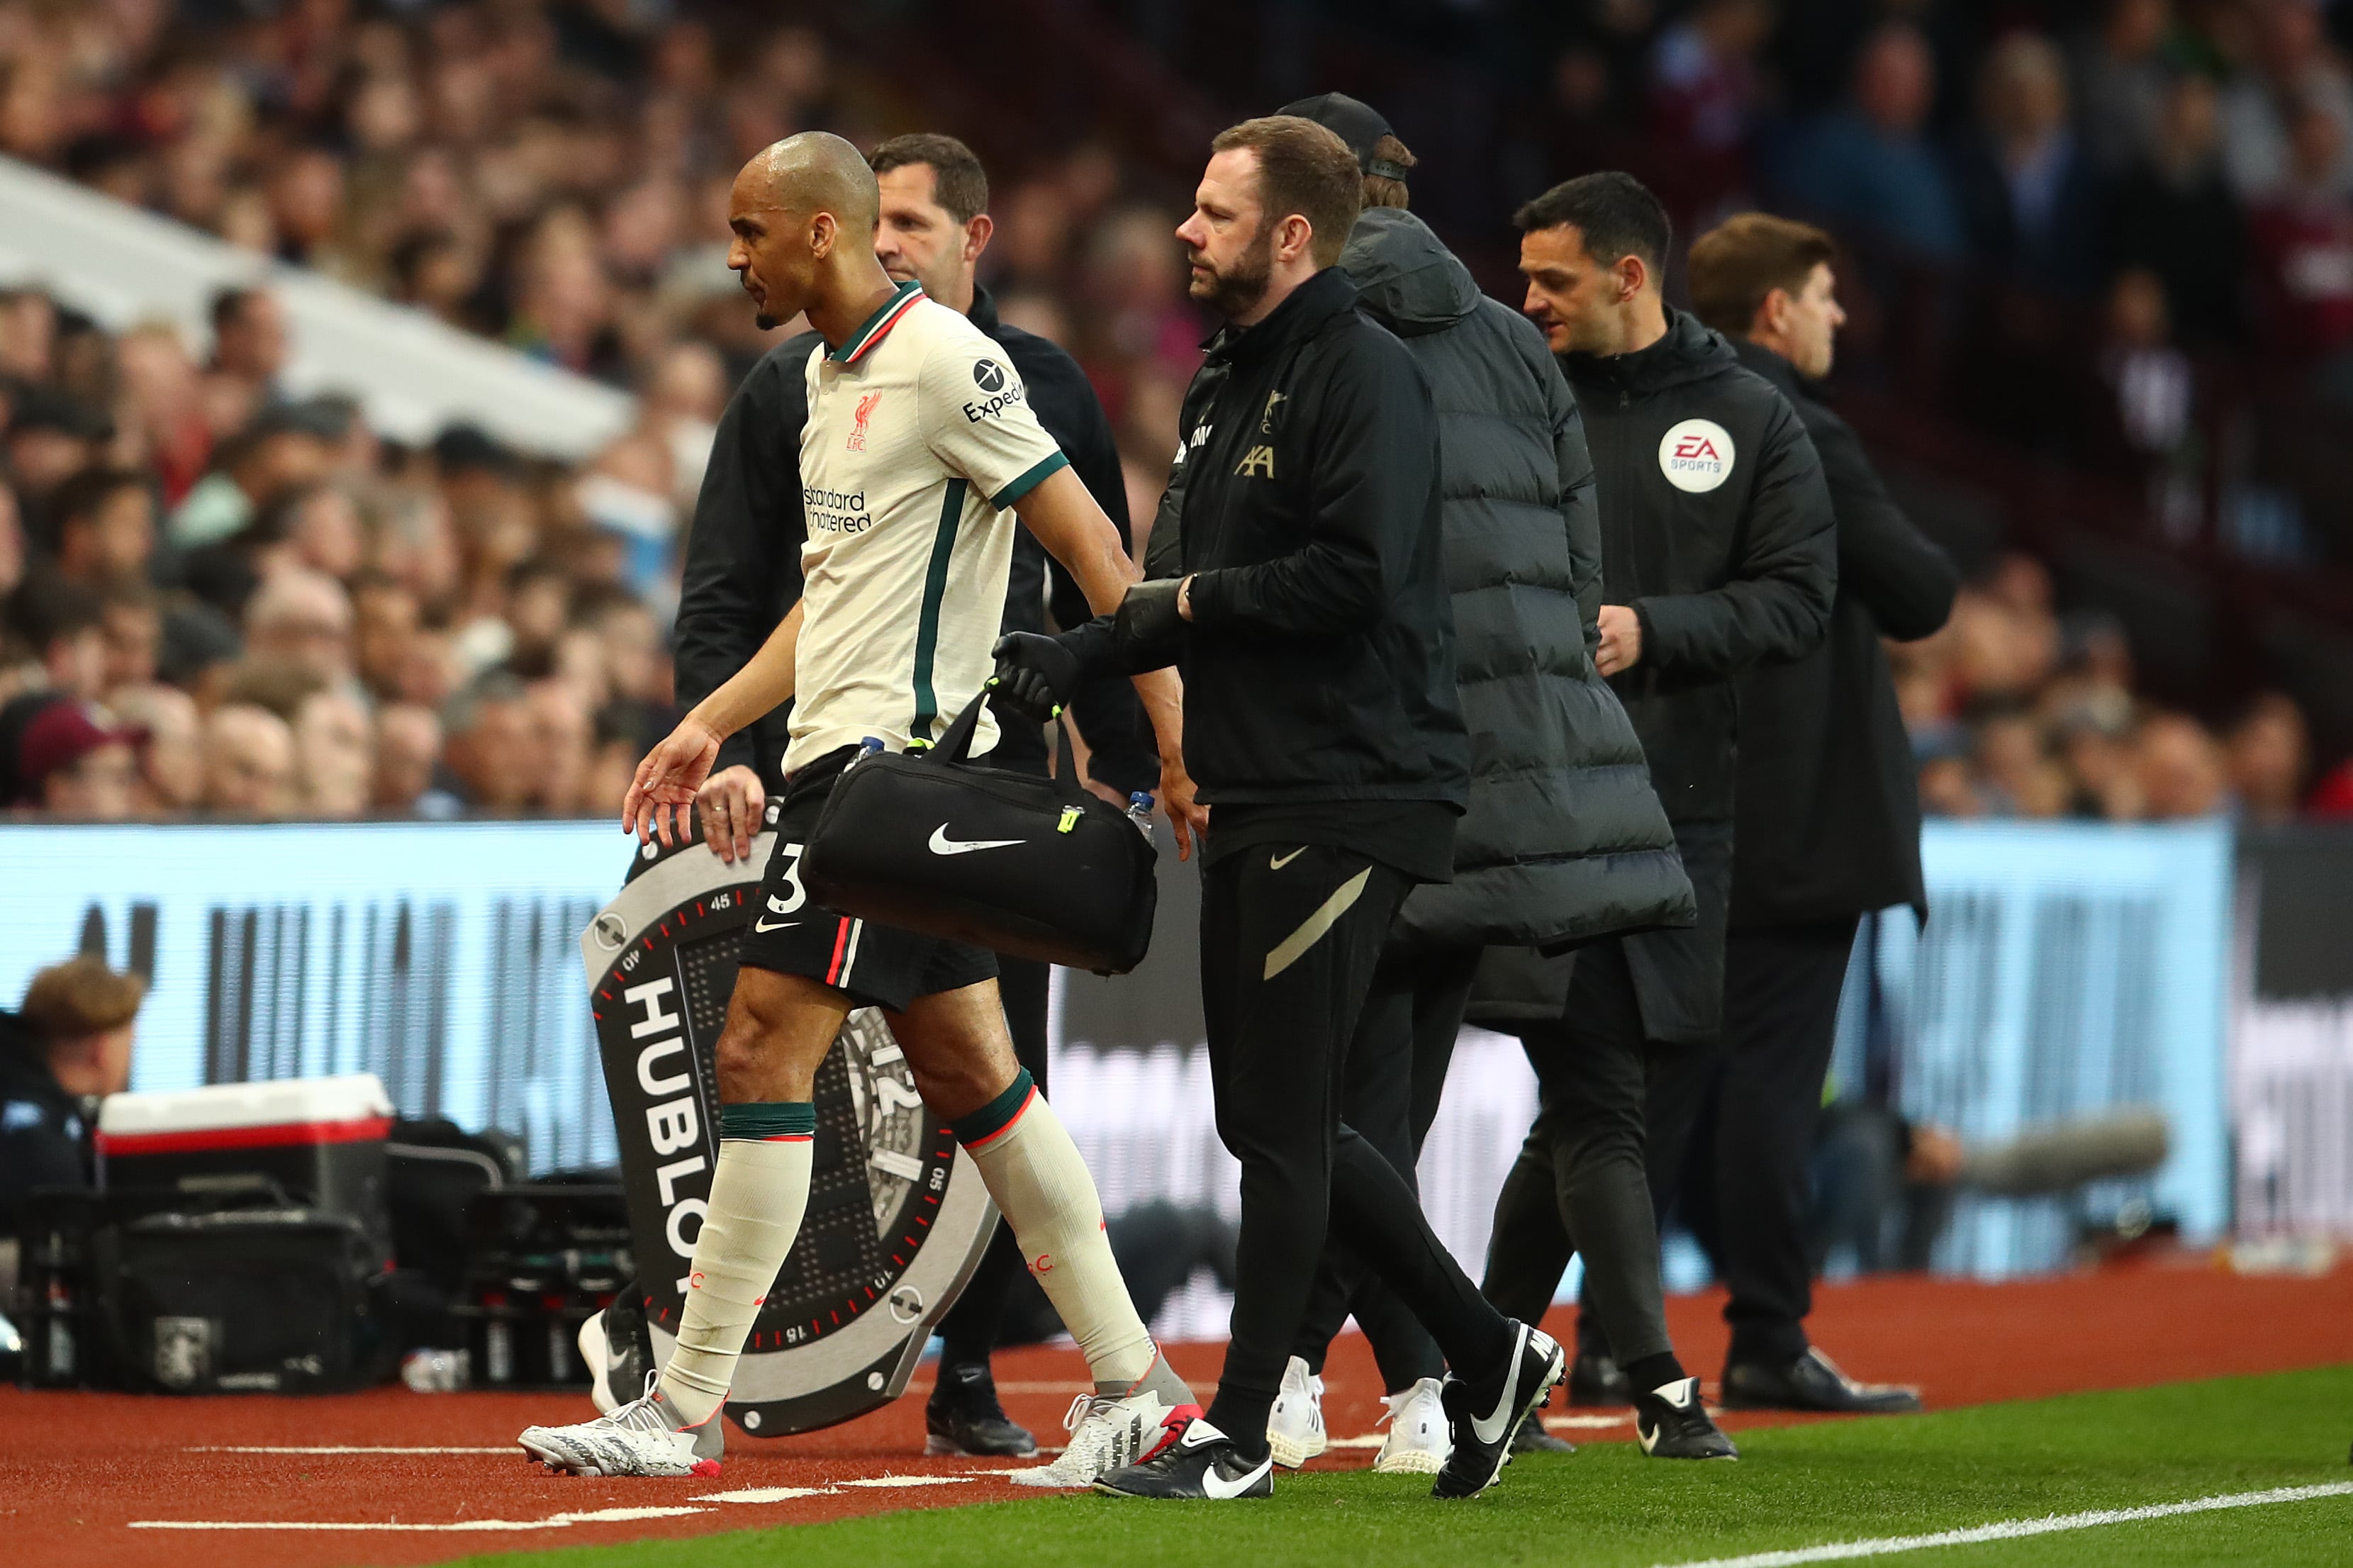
[
  {"x": 758, "y": 1189},
  {"x": 1041, "y": 1186}
]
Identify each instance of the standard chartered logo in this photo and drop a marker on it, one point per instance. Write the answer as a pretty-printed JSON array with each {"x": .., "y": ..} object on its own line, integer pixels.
[{"x": 834, "y": 511}]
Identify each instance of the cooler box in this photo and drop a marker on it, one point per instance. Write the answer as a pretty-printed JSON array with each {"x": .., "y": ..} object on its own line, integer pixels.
[{"x": 316, "y": 1143}]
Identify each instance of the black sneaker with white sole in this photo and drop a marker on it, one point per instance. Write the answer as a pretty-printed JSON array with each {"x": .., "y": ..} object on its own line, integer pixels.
[
  {"x": 1535, "y": 1439},
  {"x": 963, "y": 1416},
  {"x": 1595, "y": 1379},
  {"x": 1201, "y": 1463},
  {"x": 1673, "y": 1424},
  {"x": 1485, "y": 1417}
]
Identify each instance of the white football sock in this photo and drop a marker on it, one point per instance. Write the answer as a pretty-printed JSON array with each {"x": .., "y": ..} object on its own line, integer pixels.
[{"x": 758, "y": 1189}]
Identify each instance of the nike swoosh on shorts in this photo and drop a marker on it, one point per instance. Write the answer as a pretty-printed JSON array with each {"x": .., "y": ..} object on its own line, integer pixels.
[
  {"x": 764, "y": 925},
  {"x": 1276, "y": 863}
]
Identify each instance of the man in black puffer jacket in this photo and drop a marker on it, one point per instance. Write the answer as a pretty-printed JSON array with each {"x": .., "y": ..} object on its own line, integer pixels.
[
  {"x": 1563, "y": 838},
  {"x": 1717, "y": 548}
]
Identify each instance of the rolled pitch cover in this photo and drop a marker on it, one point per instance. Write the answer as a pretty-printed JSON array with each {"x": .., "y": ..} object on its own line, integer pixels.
[{"x": 897, "y": 1216}]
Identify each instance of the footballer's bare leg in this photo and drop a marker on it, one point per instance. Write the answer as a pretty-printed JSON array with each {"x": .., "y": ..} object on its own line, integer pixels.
[
  {"x": 779, "y": 1027},
  {"x": 962, "y": 1057}
]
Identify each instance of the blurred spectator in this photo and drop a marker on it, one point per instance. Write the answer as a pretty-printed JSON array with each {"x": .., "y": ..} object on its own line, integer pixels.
[
  {"x": 2181, "y": 769},
  {"x": 249, "y": 763},
  {"x": 286, "y": 447},
  {"x": 407, "y": 742},
  {"x": 490, "y": 759},
  {"x": 69, "y": 763},
  {"x": 249, "y": 344},
  {"x": 2269, "y": 760},
  {"x": 2025, "y": 188},
  {"x": 1704, "y": 96},
  {"x": 1867, "y": 167},
  {"x": 63, "y": 627},
  {"x": 2124, "y": 79},
  {"x": 561, "y": 740},
  {"x": 2303, "y": 241},
  {"x": 104, "y": 526},
  {"x": 305, "y": 618},
  {"x": 131, "y": 625},
  {"x": 333, "y": 755},
  {"x": 171, "y": 758},
  {"x": 2172, "y": 213},
  {"x": 2293, "y": 69}
]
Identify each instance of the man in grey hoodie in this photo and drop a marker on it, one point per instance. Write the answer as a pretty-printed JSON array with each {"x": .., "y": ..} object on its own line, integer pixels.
[{"x": 1564, "y": 839}]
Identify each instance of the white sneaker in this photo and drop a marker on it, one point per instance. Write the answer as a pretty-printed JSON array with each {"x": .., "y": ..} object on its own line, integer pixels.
[
  {"x": 596, "y": 1356},
  {"x": 1419, "y": 1437},
  {"x": 1294, "y": 1426},
  {"x": 637, "y": 1439},
  {"x": 1107, "y": 1435}
]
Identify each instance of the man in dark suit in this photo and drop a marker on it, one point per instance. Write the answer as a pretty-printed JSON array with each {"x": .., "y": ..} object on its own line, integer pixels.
[{"x": 1826, "y": 829}]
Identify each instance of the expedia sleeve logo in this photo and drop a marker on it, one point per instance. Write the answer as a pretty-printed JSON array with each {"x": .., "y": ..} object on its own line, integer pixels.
[
  {"x": 998, "y": 390},
  {"x": 1696, "y": 455}
]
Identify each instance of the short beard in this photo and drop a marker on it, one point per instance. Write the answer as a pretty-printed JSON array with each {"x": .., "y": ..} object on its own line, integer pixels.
[
  {"x": 765, "y": 322},
  {"x": 1235, "y": 292}
]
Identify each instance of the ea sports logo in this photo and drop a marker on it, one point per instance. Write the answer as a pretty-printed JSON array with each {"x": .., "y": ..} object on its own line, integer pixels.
[
  {"x": 988, "y": 375},
  {"x": 1696, "y": 455}
]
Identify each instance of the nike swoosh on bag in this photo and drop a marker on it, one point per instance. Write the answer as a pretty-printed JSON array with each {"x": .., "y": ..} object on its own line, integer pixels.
[
  {"x": 1490, "y": 1426},
  {"x": 1225, "y": 1490},
  {"x": 943, "y": 845},
  {"x": 764, "y": 925},
  {"x": 1278, "y": 862}
]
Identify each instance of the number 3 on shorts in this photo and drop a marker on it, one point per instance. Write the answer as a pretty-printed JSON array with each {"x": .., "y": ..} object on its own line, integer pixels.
[{"x": 793, "y": 880}]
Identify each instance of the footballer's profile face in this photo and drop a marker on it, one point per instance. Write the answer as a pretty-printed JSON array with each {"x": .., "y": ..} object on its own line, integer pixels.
[
  {"x": 775, "y": 251},
  {"x": 920, "y": 240},
  {"x": 1227, "y": 247}
]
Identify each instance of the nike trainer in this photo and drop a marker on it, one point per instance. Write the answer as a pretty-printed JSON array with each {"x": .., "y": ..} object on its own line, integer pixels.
[
  {"x": 1201, "y": 1463},
  {"x": 1107, "y": 1435},
  {"x": 1673, "y": 1424},
  {"x": 963, "y": 1416},
  {"x": 640, "y": 1438},
  {"x": 1486, "y": 1417},
  {"x": 1419, "y": 1440},
  {"x": 1294, "y": 1426}
]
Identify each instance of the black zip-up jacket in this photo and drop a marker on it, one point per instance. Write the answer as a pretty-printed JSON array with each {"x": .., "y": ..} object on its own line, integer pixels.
[
  {"x": 742, "y": 571},
  {"x": 1319, "y": 664},
  {"x": 1732, "y": 567},
  {"x": 1828, "y": 813},
  {"x": 42, "y": 1127}
]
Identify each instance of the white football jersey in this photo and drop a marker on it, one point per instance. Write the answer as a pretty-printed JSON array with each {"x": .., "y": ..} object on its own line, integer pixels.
[{"x": 920, "y": 437}]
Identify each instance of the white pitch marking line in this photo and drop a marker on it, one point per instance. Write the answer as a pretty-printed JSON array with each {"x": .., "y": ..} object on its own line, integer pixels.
[
  {"x": 2015, "y": 1529},
  {"x": 765, "y": 1494},
  {"x": 1580, "y": 1423},
  {"x": 554, "y": 1521},
  {"x": 906, "y": 1481},
  {"x": 254, "y": 1448}
]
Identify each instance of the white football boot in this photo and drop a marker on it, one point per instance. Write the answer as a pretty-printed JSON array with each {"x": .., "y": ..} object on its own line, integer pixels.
[
  {"x": 1109, "y": 1434},
  {"x": 1294, "y": 1426},
  {"x": 637, "y": 1439},
  {"x": 1419, "y": 1439}
]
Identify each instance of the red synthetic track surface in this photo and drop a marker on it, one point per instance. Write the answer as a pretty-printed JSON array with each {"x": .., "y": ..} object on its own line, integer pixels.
[{"x": 76, "y": 1470}]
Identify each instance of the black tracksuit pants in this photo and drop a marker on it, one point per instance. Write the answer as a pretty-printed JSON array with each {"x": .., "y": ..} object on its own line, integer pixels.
[
  {"x": 1580, "y": 1184},
  {"x": 969, "y": 1331},
  {"x": 1396, "y": 1076},
  {"x": 1745, "y": 1190},
  {"x": 1287, "y": 958}
]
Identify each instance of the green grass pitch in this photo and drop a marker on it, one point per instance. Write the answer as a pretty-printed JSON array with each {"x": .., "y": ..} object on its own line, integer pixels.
[{"x": 1607, "y": 1505}]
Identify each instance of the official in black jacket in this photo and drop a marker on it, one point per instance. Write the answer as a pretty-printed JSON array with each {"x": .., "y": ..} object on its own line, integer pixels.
[
  {"x": 743, "y": 574},
  {"x": 1829, "y": 830},
  {"x": 1323, "y": 728},
  {"x": 67, "y": 1047},
  {"x": 1716, "y": 558}
]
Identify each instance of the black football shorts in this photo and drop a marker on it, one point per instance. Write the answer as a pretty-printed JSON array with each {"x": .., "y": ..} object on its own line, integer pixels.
[{"x": 879, "y": 966}]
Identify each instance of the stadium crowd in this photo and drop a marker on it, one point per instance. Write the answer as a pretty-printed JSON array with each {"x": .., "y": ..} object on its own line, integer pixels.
[{"x": 296, "y": 618}]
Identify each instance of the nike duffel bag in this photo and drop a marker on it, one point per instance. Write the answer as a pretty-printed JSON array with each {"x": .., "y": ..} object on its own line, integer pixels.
[{"x": 929, "y": 841}]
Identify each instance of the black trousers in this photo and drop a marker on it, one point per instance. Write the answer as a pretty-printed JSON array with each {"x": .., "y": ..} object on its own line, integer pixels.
[
  {"x": 970, "y": 1329},
  {"x": 1396, "y": 1076},
  {"x": 1287, "y": 960},
  {"x": 1581, "y": 1184},
  {"x": 1745, "y": 1188}
]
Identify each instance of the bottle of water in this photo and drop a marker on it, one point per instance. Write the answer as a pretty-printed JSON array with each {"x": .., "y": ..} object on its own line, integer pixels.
[
  {"x": 1139, "y": 812},
  {"x": 867, "y": 747}
]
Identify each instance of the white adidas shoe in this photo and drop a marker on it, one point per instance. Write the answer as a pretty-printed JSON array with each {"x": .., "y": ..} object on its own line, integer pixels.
[
  {"x": 1107, "y": 1435},
  {"x": 1419, "y": 1437},
  {"x": 1294, "y": 1426},
  {"x": 637, "y": 1439}
]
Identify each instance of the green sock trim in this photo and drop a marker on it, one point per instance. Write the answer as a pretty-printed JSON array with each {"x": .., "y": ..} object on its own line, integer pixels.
[
  {"x": 775, "y": 1119},
  {"x": 995, "y": 1115}
]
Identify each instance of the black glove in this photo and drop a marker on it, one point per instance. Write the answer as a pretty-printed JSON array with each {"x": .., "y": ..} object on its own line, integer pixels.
[
  {"x": 1147, "y": 632},
  {"x": 1034, "y": 675}
]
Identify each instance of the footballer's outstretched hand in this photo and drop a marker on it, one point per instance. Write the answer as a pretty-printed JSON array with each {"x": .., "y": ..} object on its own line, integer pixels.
[
  {"x": 1034, "y": 675},
  {"x": 662, "y": 797}
]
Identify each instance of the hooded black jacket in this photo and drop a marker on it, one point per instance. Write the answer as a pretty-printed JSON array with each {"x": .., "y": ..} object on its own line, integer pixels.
[
  {"x": 742, "y": 571},
  {"x": 1319, "y": 664},
  {"x": 1723, "y": 578},
  {"x": 1829, "y": 810},
  {"x": 1563, "y": 839}
]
